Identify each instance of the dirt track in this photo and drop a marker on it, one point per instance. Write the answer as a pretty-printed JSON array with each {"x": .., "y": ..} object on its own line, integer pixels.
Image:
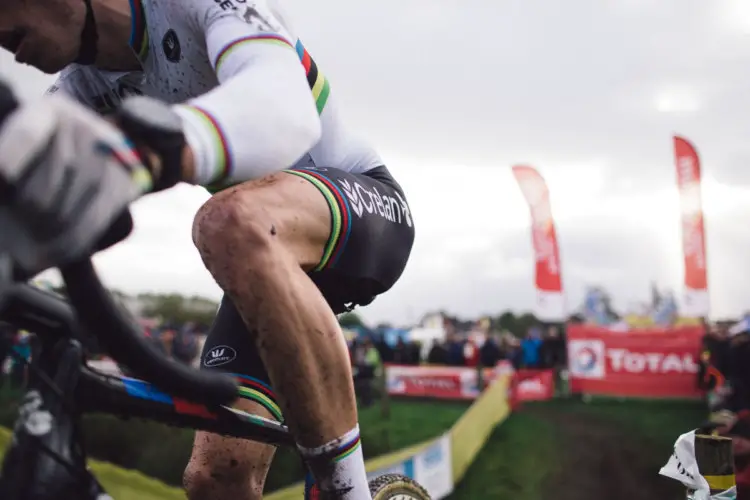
[{"x": 604, "y": 462}]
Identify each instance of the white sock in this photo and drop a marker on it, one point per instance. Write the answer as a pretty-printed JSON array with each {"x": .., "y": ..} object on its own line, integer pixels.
[{"x": 339, "y": 467}]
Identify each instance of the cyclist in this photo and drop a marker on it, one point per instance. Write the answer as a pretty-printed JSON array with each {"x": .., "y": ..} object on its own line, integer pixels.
[{"x": 305, "y": 222}]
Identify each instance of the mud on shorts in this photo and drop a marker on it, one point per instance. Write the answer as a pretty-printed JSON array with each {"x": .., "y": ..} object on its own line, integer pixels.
[{"x": 371, "y": 239}]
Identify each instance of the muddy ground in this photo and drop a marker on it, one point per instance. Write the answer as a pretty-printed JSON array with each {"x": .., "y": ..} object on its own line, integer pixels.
[{"x": 604, "y": 462}]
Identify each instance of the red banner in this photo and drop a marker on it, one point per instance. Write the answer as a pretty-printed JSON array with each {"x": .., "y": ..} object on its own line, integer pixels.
[
  {"x": 436, "y": 386},
  {"x": 443, "y": 382},
  {"x": 548, "y": 280},
  {"x": 648, "y": 363},
  {"x": 535, "y": 192},
  {"x": 458, "y": 382},
  {"x": 532, "y": 385},
  {"x": 693, "y": 227}
]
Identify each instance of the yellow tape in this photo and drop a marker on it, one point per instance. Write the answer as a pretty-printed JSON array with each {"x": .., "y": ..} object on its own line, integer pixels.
[
  {"x": 468, "y": 435},
  {"x": 472, "y": 430},
  {"x": 720, "y": 482}
]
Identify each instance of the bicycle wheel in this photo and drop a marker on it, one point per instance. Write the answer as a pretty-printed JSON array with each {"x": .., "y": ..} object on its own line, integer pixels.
[{"x": 396, "y": 487}]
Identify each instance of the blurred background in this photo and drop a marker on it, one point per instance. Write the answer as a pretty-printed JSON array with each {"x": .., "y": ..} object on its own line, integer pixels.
[{"x": 577, "y": 294}]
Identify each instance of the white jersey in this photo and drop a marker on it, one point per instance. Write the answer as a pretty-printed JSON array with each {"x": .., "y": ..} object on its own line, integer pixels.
[{"x": 252, "y": 98}]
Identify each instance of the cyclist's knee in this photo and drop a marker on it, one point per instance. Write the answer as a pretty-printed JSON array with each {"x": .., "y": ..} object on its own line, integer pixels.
[
  {"x": 277, "y": 219},
  {"x": 231, "y": 219}
]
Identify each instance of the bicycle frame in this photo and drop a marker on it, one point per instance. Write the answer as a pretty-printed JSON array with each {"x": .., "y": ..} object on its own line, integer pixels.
[{"x": 50, "y": 421}]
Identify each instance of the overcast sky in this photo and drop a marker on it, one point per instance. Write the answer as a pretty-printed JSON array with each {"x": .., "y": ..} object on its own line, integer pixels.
[{"x": 454, "y": 93}]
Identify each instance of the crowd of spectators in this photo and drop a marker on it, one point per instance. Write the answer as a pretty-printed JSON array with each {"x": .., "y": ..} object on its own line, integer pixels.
[
  {"x": 179, "y": 342},
  {"x": 367, "y": 368},
  {"x": 725, "y": 374},
  {"x": 369, "y": 352},
  {"x": 723, "y": 369},
  {"x": 540, "y": 348}
]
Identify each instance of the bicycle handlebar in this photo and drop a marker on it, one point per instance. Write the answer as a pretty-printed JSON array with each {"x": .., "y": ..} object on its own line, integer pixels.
[
  {"x": 124, "y": 341},
  {"x": 99, "y": 314}
]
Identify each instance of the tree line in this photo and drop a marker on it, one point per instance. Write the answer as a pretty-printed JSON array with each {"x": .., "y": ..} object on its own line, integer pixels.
[
  {"x": 172, "y": 307},
  {"x": 180, "y": 309},
  {"x": 508, "y": 321}
]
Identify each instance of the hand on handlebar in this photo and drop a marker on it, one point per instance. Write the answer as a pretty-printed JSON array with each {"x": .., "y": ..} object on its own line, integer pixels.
[{"x": 67, "y": 175}]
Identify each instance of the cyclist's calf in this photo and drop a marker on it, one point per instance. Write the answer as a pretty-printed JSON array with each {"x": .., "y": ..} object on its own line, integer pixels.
[{"x": 226, "y": 468}]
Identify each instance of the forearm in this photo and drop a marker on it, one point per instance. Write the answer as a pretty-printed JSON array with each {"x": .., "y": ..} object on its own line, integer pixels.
[{"x": 255, "y": 123}]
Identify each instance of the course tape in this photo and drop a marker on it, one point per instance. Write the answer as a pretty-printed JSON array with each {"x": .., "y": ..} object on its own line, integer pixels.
[{"x": 440, "y": 463}]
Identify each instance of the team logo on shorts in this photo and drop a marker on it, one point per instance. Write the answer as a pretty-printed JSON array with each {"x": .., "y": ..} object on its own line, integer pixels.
[
  {"x": 586, "y": 358},
  {"x": 219, "y": 355},
  {"x": 364, "y": 200}
]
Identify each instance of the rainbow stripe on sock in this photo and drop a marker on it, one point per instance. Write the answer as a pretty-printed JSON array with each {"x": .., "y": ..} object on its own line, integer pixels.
[{"x": 347, "y": 449}]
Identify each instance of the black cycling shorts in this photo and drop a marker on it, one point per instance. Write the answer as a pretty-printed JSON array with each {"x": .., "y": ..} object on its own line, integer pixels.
[{"x": 370, "y": 242}]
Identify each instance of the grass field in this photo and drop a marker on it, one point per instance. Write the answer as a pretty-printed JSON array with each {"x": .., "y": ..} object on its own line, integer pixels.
[
  {"x": 409, "y": 423},
  {"x": 513, "y": 464},
  {"x": 525, "y": 456}
]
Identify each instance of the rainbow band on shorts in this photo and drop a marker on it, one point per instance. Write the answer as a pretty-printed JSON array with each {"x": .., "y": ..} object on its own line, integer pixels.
[
  {"x": 255, "y": 390},
  {"x": 341, "y": 220}
]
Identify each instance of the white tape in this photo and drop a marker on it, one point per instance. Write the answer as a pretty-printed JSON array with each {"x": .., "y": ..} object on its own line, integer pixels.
[{"x": 683, "y": 467}]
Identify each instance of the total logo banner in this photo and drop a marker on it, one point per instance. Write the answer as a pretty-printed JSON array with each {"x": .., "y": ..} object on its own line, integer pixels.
[
  {"x": 586, "y": 358},
  {"x": 659, "y": 363}
]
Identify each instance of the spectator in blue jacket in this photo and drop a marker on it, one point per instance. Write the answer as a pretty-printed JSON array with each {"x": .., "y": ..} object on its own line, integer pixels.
[{"x": 530, "y": 348}]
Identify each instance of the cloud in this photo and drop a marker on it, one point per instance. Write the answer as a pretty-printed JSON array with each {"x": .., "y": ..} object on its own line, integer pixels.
[{"x": 454, "y": 93}]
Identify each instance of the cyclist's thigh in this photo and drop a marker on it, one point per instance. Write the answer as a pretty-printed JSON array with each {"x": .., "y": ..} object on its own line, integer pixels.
[
  {"x": 230, "y": 347},
  {"x": 372, "y": 232}
]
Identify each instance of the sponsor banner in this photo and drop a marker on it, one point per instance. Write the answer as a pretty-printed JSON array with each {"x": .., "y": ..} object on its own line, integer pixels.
[
  {"x": 431, "y": 467},
  {"x": 550, "y": 304},
  {"x": 647, "y": 363},
  {"x": 432, "y": 381},
  {"x": 456, "y": 382},
  {"x": 693, "y": 228},
  {"x": 532, "y": 385}
]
